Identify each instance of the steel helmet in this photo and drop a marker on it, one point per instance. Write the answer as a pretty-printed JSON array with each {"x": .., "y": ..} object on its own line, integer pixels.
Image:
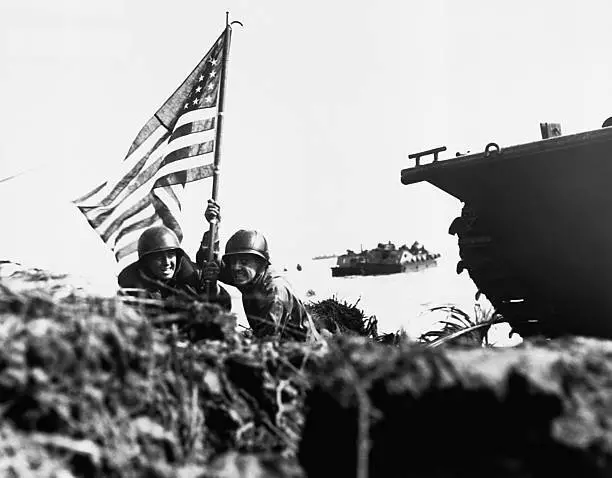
[
  {"x": 155, "y": 239},
  {"x": 248, "y": 242}
]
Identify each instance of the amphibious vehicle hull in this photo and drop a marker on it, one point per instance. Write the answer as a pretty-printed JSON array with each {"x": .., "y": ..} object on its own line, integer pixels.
[{"x": 535, "y": 233}]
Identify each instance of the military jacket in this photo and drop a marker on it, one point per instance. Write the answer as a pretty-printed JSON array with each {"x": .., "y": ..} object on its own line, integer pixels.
[
  {"x": 185, "y": 281},
  {"x": 272, "y": 309}
]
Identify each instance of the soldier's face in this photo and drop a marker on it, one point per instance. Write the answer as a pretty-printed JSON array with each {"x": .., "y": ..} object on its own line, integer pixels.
[
  {"x": 162, "y": 264},
  {"x": 244, "y": 268}
]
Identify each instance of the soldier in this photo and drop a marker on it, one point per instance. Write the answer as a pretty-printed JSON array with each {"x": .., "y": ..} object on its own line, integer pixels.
[
  {"x": 163, "y": 269},
  {"x": 271, "y": 306}
]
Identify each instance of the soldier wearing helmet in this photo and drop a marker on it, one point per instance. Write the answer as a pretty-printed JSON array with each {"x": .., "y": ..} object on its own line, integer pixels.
[
  {"x": 164, "y": 269},
  {"x": 271, "y": 306}
]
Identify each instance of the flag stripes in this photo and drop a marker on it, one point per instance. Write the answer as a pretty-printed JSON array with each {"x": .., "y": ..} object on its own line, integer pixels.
[
  {"x": 193, "y": 174},
  {"x": 118, "y": 222},
  {"x": 132, "y": 177},
  {"x": 90, "y": 193},
  {"x": 137, "y": 226},
  {"x": 174, "y": 147},
  {"x": 193, "y": 127}
]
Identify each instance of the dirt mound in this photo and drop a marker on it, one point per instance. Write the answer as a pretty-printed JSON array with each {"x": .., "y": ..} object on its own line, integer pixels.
[
  {"x": 538, "y": 410},
  {"x": 90, "y": 384}
]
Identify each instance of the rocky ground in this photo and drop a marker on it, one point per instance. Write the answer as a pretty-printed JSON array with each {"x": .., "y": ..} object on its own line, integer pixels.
[{"x": 94, "y": 386}]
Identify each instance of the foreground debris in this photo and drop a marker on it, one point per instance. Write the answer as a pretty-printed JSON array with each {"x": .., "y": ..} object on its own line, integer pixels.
[
  {"x": 538, "y": 410},
  {"x": 89, "y": 386}
]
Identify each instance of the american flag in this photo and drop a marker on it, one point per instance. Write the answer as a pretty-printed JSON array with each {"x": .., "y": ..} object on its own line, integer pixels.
[{"x": 175, "y": 147}]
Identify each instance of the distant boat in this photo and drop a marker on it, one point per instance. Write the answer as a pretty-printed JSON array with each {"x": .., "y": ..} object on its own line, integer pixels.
[
  {"x": 385, "y": 259},
  {"x": 326, "y": 256}
]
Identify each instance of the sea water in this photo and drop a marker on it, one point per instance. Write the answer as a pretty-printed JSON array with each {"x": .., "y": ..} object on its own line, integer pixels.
[{"x": 399, "y": 301}]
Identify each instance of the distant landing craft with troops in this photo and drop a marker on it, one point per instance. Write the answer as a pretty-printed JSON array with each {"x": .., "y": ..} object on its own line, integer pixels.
[{"x": 385, "y": 259}]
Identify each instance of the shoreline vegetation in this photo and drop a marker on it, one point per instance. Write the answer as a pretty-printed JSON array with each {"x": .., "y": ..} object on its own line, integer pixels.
[{"x": 94, "y": 386}]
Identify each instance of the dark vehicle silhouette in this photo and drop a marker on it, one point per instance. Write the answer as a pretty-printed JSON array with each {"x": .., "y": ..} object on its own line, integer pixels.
[{"x": 535, "y": 232}]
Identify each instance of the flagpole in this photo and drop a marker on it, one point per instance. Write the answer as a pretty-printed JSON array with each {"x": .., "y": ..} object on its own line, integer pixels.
[{"x": 219, "y": 136}]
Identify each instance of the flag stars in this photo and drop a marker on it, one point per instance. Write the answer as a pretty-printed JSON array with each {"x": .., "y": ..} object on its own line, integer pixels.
[
  {"x": 212, "y": 74},
  {"x": 186, "y": 105},
  {"x": 214, "y": 62},
  {"x": 196, "y": 101},
  {"x": 198, "y": 89},
  {"x": 208, "y": 99},
  {"x": 201, "y": 78},
  {"x": 210, "y": 86}
]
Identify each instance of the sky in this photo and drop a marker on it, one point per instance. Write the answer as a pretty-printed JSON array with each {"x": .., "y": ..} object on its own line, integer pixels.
[{"x": 324, "y": 103}]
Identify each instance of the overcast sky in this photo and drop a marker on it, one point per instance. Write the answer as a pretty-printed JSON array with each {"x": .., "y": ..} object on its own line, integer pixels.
[{"x": 324, "y": 102}]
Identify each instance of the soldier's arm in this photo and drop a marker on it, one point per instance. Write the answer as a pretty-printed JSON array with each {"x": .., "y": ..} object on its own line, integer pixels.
[
  {"x": 277, "y": 309},
  {"x": 265, "y": 323},
  {"x": 283, "y": 312}
]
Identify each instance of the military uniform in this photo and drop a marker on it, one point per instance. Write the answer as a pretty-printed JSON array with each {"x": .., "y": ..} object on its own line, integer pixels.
[
  {"x": 272, "y": 308},
  {"x": 185, "y": 281},
  {"x": 270, "y": 305}
]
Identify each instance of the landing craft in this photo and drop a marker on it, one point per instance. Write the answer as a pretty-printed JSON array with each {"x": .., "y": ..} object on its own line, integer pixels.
[
  {"x": 535, "y": 232},
  {"x": 385, "y": 259}
]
